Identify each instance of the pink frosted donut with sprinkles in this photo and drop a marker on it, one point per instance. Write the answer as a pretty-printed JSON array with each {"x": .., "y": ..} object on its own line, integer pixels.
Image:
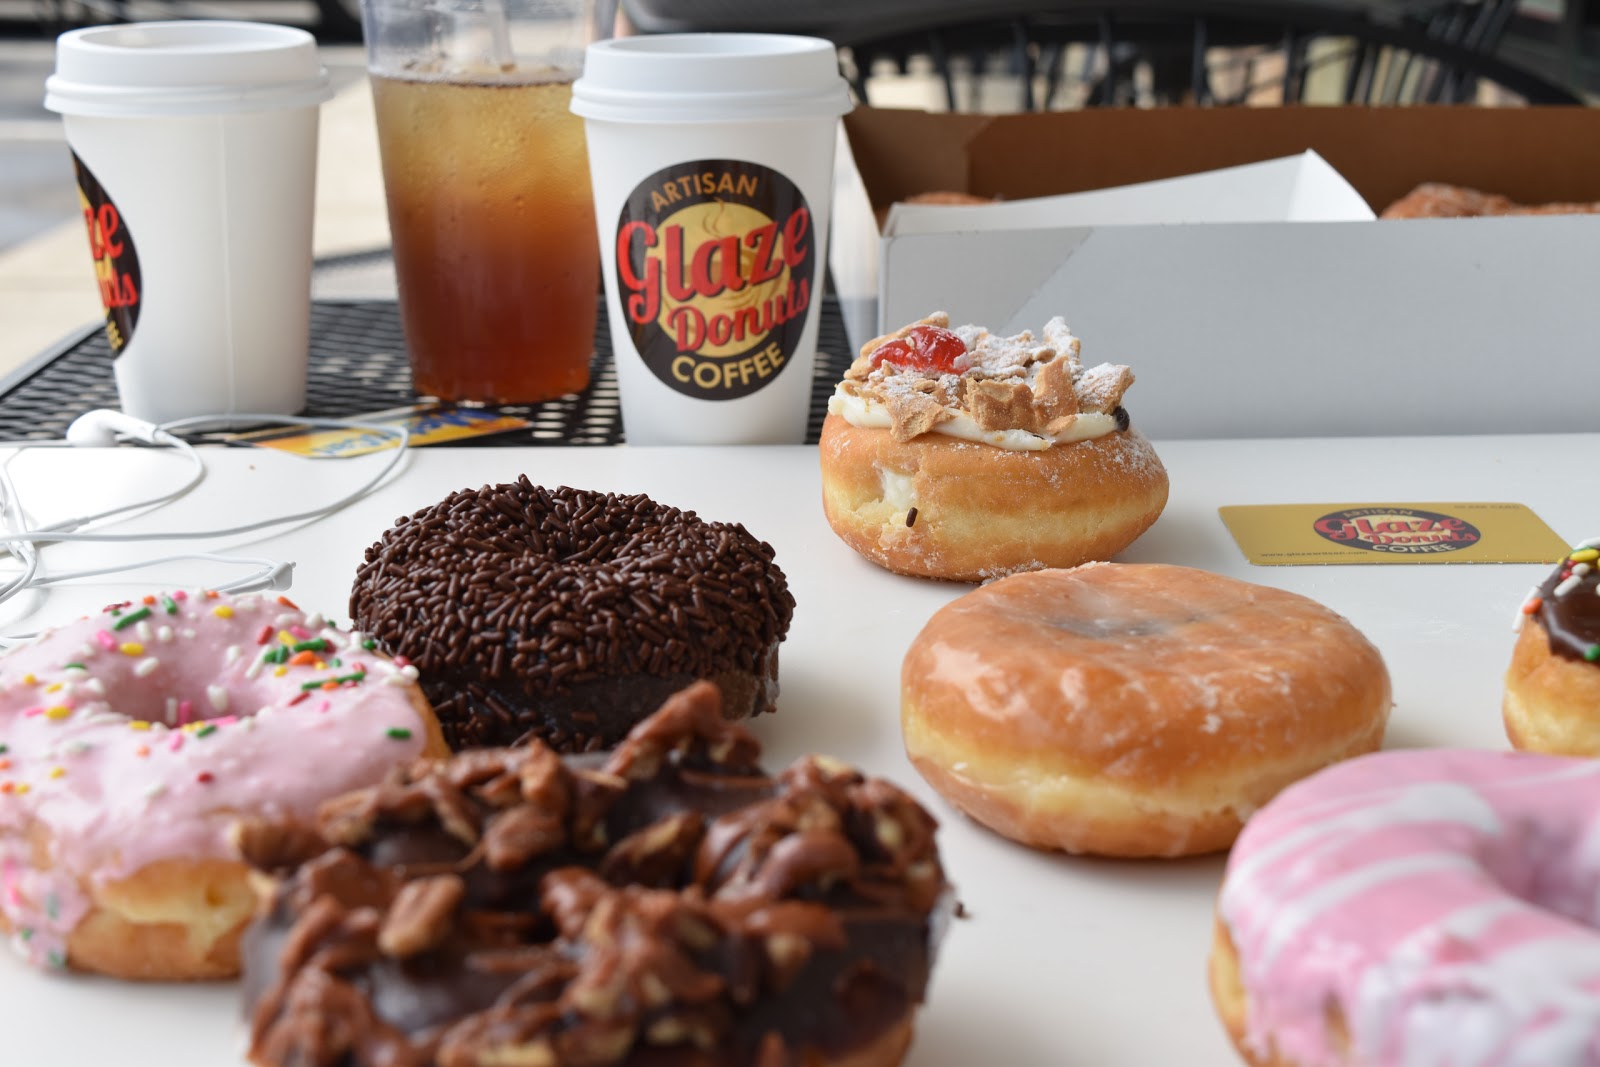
[
  {"x": 1552, "y": 697},
  {"x": 132, "y": 741},
  {"x": 1424, "y": 907}
]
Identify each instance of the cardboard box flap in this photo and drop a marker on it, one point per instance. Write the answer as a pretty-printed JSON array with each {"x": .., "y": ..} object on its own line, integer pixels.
[
  {"x": 902, "y": 153},
  {"x": 1383, "y": 152},
  {"x": 1299, "y": 188}
]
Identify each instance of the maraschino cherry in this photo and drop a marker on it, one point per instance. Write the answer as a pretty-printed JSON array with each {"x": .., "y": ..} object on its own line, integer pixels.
[{"x": 929, "y": 349}]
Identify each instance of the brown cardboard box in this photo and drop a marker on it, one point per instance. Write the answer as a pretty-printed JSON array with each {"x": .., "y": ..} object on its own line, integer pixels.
[
  {"x": 1434, "y": 326},
  {"x": 1532, "y": 155}
]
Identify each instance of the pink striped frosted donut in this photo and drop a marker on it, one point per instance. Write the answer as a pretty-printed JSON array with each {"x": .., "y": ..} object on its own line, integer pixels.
[
  {"x": 1424, "y": 907},
  {"x": 132, "y": 740}
]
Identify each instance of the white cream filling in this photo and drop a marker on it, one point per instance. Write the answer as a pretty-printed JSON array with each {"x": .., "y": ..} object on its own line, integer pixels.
[
  {"x": 899, "y": 491},
  {"x": 860, "y": 411}
]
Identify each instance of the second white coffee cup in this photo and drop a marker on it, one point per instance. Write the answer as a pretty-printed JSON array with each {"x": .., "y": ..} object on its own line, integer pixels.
[
  {"x": 195, "y": 149},
  {"x": 712, "y": 165}
]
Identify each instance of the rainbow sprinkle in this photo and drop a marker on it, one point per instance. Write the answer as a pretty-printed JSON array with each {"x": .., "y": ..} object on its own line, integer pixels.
[
  {"x": 125, "y": 621},
  {"x": 398, "y": 733}
]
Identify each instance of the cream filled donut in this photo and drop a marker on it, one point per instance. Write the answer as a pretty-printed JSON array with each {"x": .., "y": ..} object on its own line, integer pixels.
[
  {"x": 958, "y": 454},
  {"x": 131, "y": 741},
  {"x": 1552, "y": 697},
  {"x": 1417, "y": 907},
  {"x": 1133, "y": 709}
]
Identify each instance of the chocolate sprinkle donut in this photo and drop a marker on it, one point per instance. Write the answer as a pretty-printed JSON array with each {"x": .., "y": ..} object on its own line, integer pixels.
[
  {"x": 567, "y": 615},
  {"x": 675, "y": 907}
]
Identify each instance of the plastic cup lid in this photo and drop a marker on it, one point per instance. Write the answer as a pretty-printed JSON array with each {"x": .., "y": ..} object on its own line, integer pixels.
[
  {"x": 710, "y": 77},
  {"x": 158, "y": 69}
]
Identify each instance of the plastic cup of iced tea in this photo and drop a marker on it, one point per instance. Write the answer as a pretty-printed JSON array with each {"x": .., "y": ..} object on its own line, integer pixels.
[{"x": 487, "y": 183}]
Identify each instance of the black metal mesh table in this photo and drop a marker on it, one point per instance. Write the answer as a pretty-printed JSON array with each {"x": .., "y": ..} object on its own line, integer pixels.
[{"x": 358, "y": 366}]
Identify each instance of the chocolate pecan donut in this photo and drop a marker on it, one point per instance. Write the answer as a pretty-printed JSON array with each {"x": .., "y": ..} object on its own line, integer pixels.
[
  {"x": 675, "y": 907},
  {"x": 568, "y": 615}
]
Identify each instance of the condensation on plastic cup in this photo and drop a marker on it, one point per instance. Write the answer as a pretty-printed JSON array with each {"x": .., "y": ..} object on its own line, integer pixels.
[
  {"x": 712, "y": 164},
  {"x": 194, "y": 145}
]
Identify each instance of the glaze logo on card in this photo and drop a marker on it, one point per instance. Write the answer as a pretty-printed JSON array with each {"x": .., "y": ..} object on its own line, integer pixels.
[
  {"x": 715, "y": 260},
  {"x": 1397, "y": 530},
  {"x": 116, "y": 264}
]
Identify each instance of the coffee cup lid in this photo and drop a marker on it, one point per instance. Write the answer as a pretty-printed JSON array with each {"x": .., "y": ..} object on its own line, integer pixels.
[
  {"x": 710, "y": 77},
  {"x": 160, "y": 69}
]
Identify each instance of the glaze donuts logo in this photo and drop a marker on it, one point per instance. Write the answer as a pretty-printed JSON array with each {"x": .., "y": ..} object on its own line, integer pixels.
[
  {"x": 1397, "y": 530},
  {"x": 715, "y": 260},
  {"x": 116, "y": 264}
]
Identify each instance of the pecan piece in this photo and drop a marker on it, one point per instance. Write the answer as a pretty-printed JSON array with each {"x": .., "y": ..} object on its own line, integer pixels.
[
  {"x": 518, "y": 834},
  {"x": 275, "y": 847},
  {"x": 348, "y": 820},
  {"x": 421, "y": 916},
  {"x": 655, "y": 855}
]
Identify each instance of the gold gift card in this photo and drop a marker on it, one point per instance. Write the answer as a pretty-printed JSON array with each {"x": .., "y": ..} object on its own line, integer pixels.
[
  {"x": 430, "y": 424},
  {"x": 1280, "y": 535}
]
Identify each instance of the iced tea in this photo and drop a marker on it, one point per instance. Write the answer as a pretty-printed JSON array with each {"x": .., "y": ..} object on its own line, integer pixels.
[{"x": 494, "y": 236}]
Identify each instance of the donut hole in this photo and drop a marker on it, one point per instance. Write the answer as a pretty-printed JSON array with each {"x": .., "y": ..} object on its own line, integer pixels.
[
  {"x": 180, "y": 676},
  {"x": 177, "y": 704}
]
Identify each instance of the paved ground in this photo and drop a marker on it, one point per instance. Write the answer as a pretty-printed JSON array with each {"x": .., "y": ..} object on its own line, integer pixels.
[
  {"x": 36, "y": 191},
  {"x": 35, "y": 170}
]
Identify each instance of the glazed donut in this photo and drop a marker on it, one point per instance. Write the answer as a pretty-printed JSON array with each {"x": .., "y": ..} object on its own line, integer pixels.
[
  {"x": 568, "y": 615},
  {"x": 673, "y": 906},
  {"x": 1435, "y": 200},
  {"x": 1133, "y": 709},
  {"x": 1552, "y": 698},
  {"x": 1417, "y": 907},
  {"x": 132, "y": 740},
  {"x": 936, "y": 198},
  {"x": 961, "y": 455}
]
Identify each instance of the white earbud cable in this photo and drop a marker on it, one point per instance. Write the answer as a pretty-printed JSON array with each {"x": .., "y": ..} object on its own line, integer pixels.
[
  {"x": 22, "y": 541},
  {"x": 400, "y": 434}
]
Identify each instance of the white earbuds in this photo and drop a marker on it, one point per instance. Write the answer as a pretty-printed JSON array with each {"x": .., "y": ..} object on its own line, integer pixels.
[
  {"x": 102, "y": 429},
  {"x": 21, "y": 540}
]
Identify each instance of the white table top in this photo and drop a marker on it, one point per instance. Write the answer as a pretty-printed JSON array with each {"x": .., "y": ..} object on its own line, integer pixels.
[{"x": 1063, "y": 960}]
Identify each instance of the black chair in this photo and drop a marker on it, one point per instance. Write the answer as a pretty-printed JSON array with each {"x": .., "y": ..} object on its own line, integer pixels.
[{"x": 1202, "y": 52}]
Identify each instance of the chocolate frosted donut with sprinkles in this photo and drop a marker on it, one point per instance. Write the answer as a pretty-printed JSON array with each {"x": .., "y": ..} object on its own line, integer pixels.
[
  {"x": 133, "y": 740},
  {"x": 1552, "y": 698},
  {"x": 568, "y": 615}
]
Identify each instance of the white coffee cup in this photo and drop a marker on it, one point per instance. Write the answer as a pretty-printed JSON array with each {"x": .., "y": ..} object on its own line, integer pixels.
[
  {"x": 712, "y": 164},
  {"x": 195, "y": 148}
]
